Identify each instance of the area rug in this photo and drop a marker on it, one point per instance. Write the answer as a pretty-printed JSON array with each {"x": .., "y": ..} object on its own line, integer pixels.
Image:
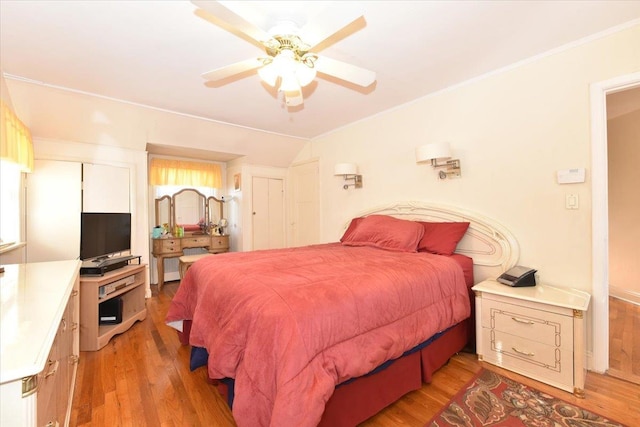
[{"x": 496, "y": 401}]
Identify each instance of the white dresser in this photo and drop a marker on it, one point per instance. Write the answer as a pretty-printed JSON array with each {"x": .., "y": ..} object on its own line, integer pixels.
[
  {"x": 535, "y": 331},
  {"x": 39, "y": 342}
]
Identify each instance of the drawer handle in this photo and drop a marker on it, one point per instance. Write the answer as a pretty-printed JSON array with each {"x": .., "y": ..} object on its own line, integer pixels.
[
  {"x": 52, "y": 371},
  {"x": 524, "y": 353},
  {"x": 526, "y": 322}
]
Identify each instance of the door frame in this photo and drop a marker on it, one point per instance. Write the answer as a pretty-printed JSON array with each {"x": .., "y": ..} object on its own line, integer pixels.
[{"x": 600, "y": 214}]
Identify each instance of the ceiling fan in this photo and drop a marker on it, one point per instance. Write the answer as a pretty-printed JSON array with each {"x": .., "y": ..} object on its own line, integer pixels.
[{"x": 291, "y": 62}]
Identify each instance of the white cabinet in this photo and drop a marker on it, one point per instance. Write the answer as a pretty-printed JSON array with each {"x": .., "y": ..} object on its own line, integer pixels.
[
  {"x": 54, "y": 196},
  {"x": 40, "y": 342},
  {"x": 57, "y": 191},
  {"x": 536, "y": 331},
  {"x": 105, "y": 188}
]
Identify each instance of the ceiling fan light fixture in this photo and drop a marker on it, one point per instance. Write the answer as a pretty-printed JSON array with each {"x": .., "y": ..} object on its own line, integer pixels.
[
  {"x": 289, "y": 83},
  {"x": 304, "y": 73},
  {"x": 269, "y": 74},
  {"x": 290, "y": 64}
]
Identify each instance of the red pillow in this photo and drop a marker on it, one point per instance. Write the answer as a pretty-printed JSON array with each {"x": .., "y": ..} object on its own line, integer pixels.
[
  {"x": 385, "y": 232},
  {"x": 442, "y": 237},
  {"x": 351, "y": 228}
]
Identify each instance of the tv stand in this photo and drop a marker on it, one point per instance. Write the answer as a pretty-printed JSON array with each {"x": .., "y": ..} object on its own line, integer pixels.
[{"x": 93, "y": 334}]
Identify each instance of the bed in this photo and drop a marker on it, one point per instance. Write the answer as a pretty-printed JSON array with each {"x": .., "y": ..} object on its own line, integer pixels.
[{"x": 330, "y": 334}]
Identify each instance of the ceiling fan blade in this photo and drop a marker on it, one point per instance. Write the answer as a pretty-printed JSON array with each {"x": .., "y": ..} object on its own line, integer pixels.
[
  {"x": 233, "y": 69},
  {"x": 326, "y": 24},
  {"x": 226, "y": 15},
  {"x": 343, "y": 71}
]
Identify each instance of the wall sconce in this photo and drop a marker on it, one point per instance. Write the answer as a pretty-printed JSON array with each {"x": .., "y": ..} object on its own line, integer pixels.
[
  {"x": 439, "y": 154},
  {"x": 350, "y": 173}
]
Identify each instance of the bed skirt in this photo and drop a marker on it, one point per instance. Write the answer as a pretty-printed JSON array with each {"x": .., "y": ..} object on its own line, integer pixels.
[{"x": 357, "y": 400}]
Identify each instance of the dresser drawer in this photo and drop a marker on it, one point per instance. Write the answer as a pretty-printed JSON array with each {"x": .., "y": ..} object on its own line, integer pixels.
[
  {"x": 166, "y": 246},
  {"x": 551, "y": 329},
  {"x": 529, "y": 357},
  {"x": 219, "y": 242},
  {"x": 196, "y": 241}
]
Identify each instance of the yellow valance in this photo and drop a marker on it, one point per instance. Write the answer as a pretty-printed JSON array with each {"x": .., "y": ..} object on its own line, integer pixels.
[
  {"x": 179, "y": 172},
  {"x": 16, "y": 145}
]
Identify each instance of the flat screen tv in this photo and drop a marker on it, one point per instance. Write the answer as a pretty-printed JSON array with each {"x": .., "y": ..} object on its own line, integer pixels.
[{"x": 103, "y": 234}]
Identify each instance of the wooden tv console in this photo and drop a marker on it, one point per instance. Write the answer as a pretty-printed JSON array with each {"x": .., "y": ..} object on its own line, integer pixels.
[{"x": 128, "y": 283}]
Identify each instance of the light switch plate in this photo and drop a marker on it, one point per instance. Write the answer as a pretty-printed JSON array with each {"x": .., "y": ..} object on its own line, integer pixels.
[{"x": 572, "y": 201}]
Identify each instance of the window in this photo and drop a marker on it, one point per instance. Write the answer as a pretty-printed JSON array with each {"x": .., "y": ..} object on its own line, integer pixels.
[{"x": 10, "y": 203}]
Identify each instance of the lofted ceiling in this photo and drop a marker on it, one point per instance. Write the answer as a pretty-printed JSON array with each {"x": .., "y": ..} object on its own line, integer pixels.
[{"x": 153, "y": 53}]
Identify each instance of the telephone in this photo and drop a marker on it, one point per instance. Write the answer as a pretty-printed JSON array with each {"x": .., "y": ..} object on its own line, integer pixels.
[{"x": 518, "y": 276}]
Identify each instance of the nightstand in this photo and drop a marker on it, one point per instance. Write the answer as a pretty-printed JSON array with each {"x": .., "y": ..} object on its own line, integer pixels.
[{"x": 536, "y": 331}]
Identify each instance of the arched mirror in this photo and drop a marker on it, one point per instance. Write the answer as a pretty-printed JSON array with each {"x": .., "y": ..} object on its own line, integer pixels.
[
  {"x": 215, "y": 211},
  {"x": 189, "y": 210},
  {"x": 163, "y": 211}
]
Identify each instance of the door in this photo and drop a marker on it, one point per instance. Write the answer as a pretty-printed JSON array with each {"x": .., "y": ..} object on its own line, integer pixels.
[
  {"x": 53, "y": 211},
  {"x": 305, "y": 224},
  {"x": 268, "y": 213}
]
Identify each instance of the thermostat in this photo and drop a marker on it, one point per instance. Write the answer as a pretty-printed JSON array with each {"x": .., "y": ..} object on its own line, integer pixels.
[{"x": 571, "y": 176}]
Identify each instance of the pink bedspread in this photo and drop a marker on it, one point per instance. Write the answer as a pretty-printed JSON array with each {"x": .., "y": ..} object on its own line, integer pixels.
[{"x": 290, "y": 324}]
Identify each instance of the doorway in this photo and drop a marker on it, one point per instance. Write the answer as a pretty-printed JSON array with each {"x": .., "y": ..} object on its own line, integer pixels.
[
  {"x": 600, "y": 219},
  {"x": 623, "y": 150}
]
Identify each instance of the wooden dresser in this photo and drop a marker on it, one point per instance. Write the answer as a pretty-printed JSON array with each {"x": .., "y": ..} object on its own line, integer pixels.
[
  {"x": 39, "y": 342},
  {"x": 536, "y": 331},
  {"x": 172, "y": 247}
]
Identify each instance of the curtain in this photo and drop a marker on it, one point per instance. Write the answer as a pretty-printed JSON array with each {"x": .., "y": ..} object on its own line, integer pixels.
[
  {"x": 184, "y": 173},
  {"x": 16, "y": 145}
]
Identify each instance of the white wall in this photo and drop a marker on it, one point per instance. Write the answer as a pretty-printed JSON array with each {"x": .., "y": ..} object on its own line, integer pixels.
[{"x": 512, "y": 131}]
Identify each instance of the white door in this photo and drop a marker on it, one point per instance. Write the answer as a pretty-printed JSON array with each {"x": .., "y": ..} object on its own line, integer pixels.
[
  {"x": 53, "y": 211},
  {"x": 305, "y": 224},
  {"x": 105, "y": 188},
  {"x": 268, "y": 213}
]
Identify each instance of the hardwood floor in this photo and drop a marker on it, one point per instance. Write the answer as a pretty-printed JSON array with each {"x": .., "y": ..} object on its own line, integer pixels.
[
  {"x": 624, "y": 340},
  {"x": 142, "y": 378}
]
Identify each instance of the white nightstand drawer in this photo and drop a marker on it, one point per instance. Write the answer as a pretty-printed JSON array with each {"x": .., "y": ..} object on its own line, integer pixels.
[
  {"x": 537, "y": 331},
  {"x": 548, "y": 328},
  {"x": 529, "y": 357}
]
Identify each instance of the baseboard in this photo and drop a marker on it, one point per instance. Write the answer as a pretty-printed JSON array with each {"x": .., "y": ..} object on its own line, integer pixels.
[
  {"x": 625, "y": 294},
  {"x": 590, "y": 364}
]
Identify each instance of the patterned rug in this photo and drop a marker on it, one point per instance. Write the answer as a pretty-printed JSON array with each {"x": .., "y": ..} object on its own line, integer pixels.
[{"x": 493, "y": 400}]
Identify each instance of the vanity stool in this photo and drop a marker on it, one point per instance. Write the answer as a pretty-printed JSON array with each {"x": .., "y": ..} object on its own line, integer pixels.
[{"x": 187, "y": 260}]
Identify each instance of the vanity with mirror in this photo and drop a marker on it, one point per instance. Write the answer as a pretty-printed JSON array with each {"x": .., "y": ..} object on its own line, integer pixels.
[{"x": 187, "y": 219}]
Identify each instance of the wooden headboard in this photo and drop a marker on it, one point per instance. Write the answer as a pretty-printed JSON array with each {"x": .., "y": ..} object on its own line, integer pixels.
[{"x": 493, "y": 248}]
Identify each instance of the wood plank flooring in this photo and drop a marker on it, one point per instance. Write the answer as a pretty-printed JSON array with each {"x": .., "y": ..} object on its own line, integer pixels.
[
  {"x": 624, "y": 340},
  {"x": 142, "y": 378}
]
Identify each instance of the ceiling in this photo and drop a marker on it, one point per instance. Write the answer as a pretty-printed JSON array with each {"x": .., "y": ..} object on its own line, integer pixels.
[{"x": 154, "y": 52}]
